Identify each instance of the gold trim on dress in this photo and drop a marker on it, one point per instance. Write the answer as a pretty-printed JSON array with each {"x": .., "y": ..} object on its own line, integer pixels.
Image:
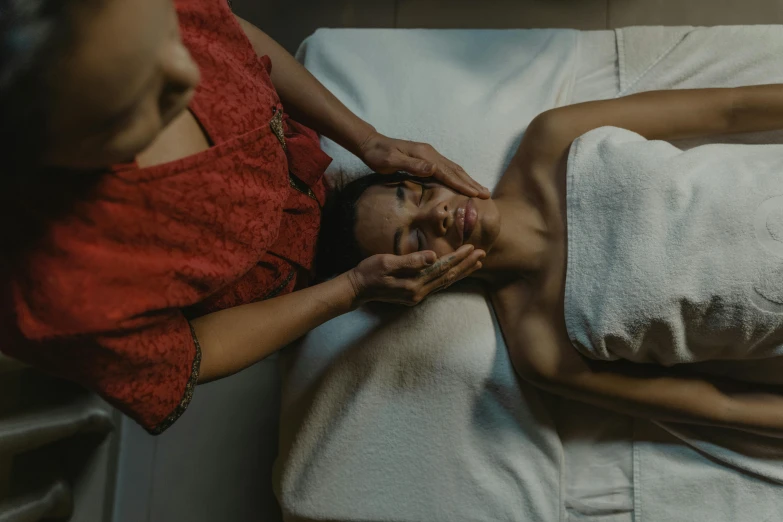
[
  {"x": 276, "y": 124},
  {"x": 189, "y": 389},
  {"x": 300, "y": 186}
]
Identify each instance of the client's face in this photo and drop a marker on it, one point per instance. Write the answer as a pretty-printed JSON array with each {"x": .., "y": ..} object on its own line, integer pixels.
[{"x": 407, "y": 217}]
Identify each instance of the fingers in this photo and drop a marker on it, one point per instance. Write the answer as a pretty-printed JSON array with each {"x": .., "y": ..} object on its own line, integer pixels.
[
  {"x": 445, "y": 263},
  {"x": 414, "y": 262},
  {"x": 412, "y": 165},
  {"x": 421, "y": 159},
  {"x": 409, "y": 279},
  {"x": 452, "y": 180},
  {"x": 456, "y": 272},
  {"x": 455, "y": 176},
  {"x": 483, "y": 192}
]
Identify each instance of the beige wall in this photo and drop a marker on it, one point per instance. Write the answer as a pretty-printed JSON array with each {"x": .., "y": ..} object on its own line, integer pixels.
[{"x": 289, "y": 22}]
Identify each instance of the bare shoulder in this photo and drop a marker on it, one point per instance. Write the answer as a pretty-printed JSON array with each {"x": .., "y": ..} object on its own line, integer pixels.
[{"x": 536, "y": 173}]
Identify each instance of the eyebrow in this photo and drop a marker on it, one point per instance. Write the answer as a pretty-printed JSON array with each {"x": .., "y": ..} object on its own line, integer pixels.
[
  {"x": 400, "y": 197},
  {"x": 398, "y": 233}
]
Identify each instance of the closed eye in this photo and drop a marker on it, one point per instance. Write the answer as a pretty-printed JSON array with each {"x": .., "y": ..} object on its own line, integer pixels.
[
  {"x": 421, "y": 198},
  {"x": 419, "y": 234}
]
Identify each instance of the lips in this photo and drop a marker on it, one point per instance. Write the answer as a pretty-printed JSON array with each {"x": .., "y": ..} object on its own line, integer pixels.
[
  {"x": 465, "y": 220},
  {"x": 470, "y": 220}
]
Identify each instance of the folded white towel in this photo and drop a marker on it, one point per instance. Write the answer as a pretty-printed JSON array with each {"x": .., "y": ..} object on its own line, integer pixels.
[{"x": 675, "y": 257}]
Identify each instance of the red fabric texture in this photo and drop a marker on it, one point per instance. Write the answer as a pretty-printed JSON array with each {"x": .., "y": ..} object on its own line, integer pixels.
[{"x": 104, "y": 298}]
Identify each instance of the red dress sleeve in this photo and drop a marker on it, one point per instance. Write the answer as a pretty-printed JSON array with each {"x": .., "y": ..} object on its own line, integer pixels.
[
  {"x": 105, "y": 296},
  {"x": 94, "y": 304},
  {"x": 147, "y": 370}
]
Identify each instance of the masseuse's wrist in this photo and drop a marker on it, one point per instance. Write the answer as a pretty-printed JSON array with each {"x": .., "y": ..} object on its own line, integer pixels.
[
  {"x": 356, "y": 289},
  {"x": 360, "y": 134}
]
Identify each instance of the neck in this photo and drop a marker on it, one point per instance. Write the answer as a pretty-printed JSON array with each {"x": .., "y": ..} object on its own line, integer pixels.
[{"x": 522, "y": 246}]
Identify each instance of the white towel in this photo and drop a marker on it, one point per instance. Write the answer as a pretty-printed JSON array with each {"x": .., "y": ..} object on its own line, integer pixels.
[
  {"x": 675, "y": 257},
  {"x": 669, "y": 476}
]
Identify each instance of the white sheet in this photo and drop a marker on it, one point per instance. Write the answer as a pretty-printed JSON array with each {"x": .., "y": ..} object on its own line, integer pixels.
[
  {"x": 420, "y": 418},
  {"x": 469, "y": 93}
]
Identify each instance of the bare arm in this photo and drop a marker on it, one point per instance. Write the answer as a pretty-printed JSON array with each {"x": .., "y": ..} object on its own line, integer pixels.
[
  {"x": 546, "y": 357},
  {"x": 667, "y": 115},
  {"x": 305, "y": 98},
  {"x": 312, "y": 104},
  {"x": 236, "y": 338}
]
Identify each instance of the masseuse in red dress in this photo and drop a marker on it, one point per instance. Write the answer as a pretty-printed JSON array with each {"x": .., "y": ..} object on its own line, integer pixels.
[{"x": 162, "y": 232}]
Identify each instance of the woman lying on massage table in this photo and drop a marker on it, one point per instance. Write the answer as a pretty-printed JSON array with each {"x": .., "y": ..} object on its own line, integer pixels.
[{"x": 604, "y": 246}]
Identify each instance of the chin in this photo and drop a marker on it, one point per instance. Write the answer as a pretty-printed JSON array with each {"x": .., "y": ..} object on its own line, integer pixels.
[
  {"x": 489, "y": 227},
  {"x": 178, "y": 108}
]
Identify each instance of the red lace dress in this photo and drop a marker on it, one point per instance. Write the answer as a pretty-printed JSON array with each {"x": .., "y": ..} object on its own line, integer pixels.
[{"x": 105, "y": 297}]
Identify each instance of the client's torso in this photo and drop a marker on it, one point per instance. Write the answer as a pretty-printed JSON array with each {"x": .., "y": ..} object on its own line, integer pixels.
[{"x": 670, "y": 256}]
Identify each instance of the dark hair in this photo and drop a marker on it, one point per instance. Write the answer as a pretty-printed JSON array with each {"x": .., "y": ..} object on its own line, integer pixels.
[
  {"x": 34, "y": 35},
  {"x": 338, "y": 250}
]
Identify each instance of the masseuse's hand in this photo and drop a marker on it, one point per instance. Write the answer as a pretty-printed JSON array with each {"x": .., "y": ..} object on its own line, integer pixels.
[
  {"x": 387, "y": 155},
  {"x": 409, "y": 279}
]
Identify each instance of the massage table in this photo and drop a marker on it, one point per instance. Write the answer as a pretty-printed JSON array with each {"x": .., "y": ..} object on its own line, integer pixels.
[{"x": 391, "y": 413}]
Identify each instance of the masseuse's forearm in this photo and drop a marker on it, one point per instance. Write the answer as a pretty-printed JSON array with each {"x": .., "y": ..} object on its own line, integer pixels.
[
  {"x": 305, "y": 98},
  {"x": 234, "y": 339}
]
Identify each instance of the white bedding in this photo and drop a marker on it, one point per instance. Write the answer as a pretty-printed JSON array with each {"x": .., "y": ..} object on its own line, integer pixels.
[
  {"x": 468, "y": 93},
  {"x": 674, "y": 256},
  {"x": 398, "y": 414}
]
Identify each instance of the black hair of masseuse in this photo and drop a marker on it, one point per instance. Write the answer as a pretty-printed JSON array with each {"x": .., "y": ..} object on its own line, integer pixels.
[
  {"x": 338, "y": 250},
  {"x": 34, "y": 36}
]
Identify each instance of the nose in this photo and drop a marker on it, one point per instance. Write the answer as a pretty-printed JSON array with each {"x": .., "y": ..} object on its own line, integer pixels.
[
  {"x": 180, "y": 71},
  {"x": 438, "y": 218},
  {"x": 183, "y": 70}
]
